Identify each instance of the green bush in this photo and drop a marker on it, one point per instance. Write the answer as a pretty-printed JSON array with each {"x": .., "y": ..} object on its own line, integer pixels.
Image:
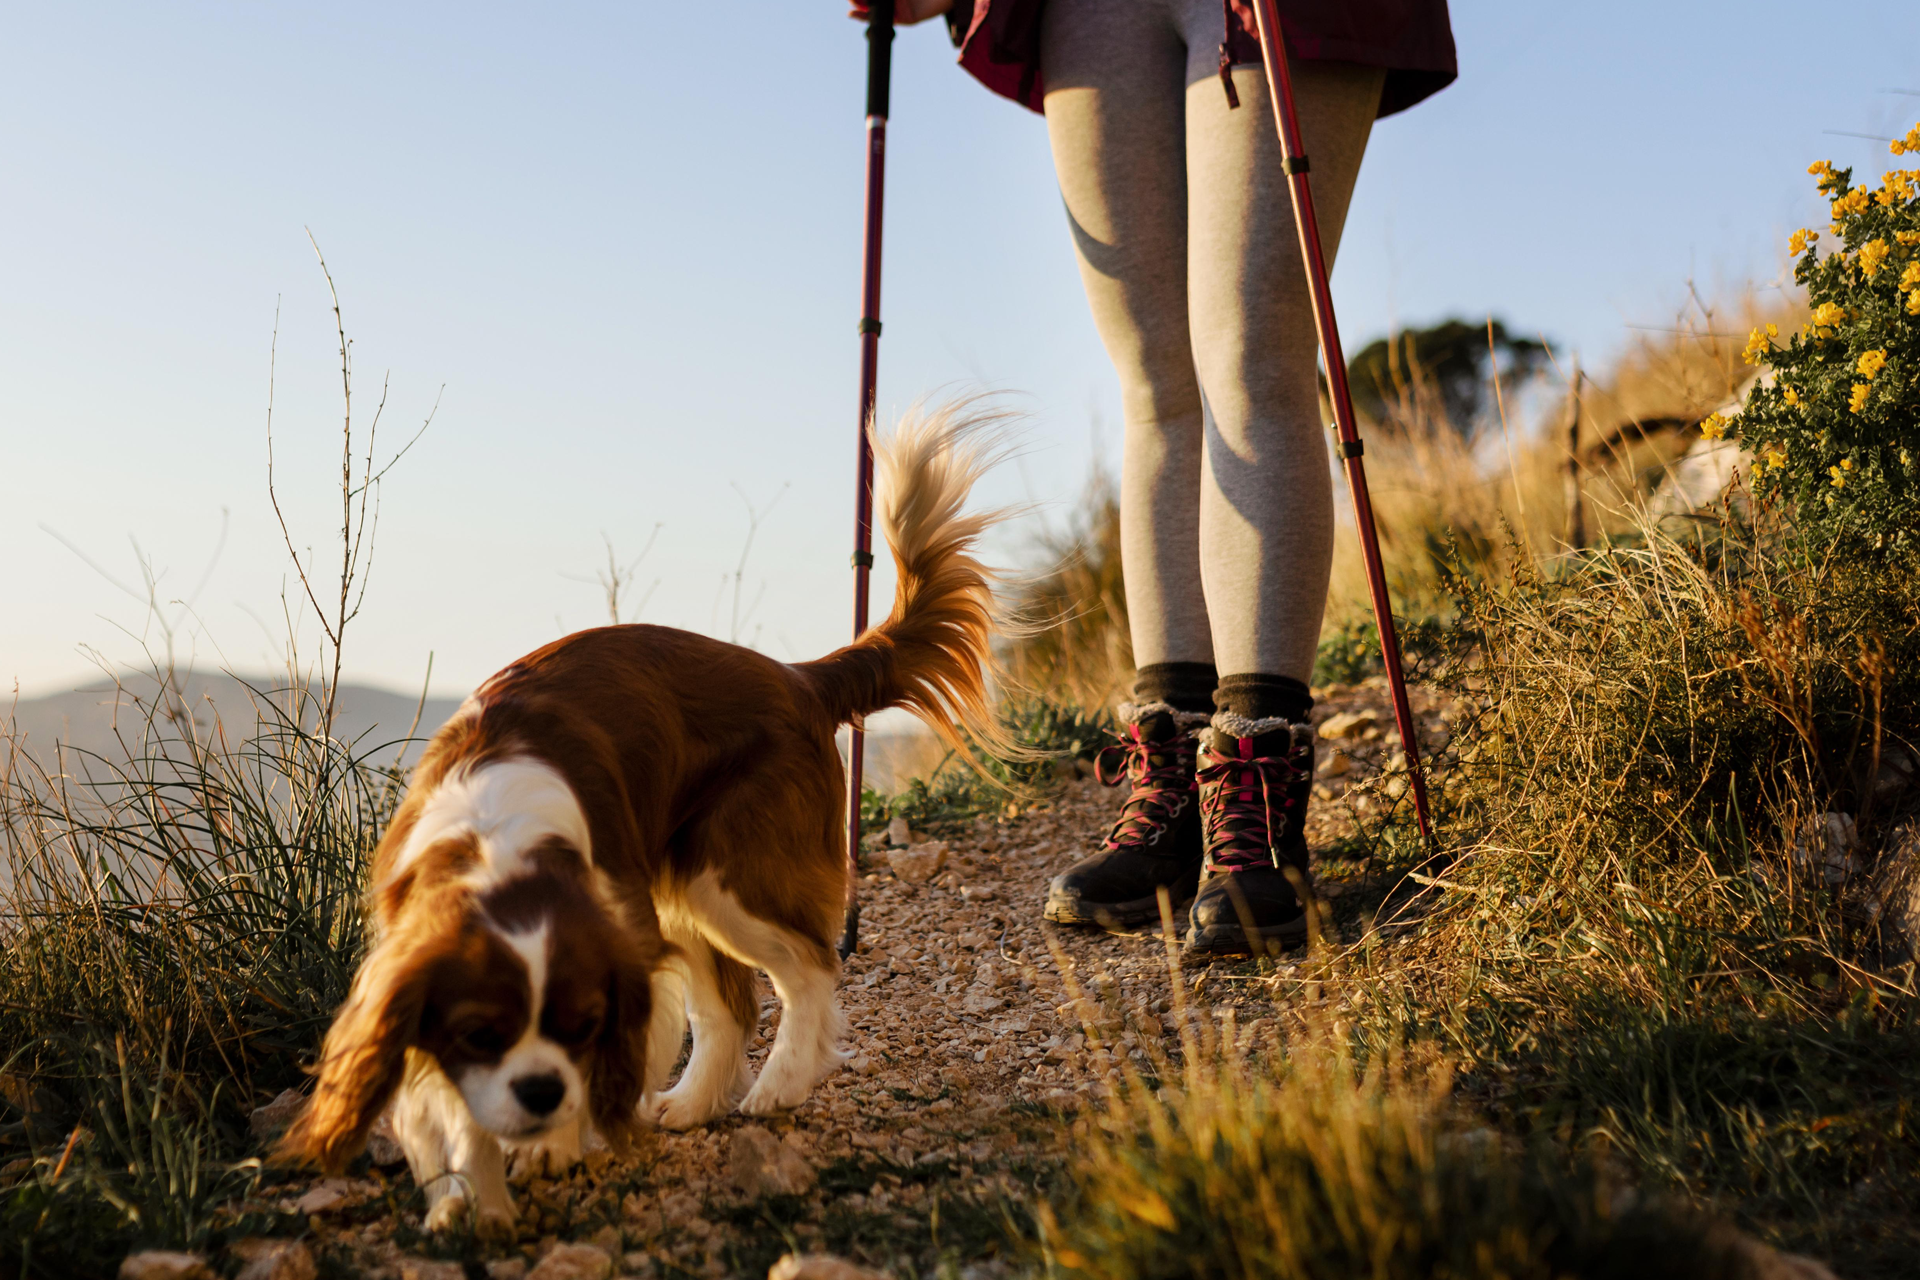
[
  {"x": 181, "y": 923},
  {"x": 1837, "y": 433}
]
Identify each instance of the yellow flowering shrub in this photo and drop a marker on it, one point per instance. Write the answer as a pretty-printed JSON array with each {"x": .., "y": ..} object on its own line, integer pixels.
[{"x": 1837, "y": 431}]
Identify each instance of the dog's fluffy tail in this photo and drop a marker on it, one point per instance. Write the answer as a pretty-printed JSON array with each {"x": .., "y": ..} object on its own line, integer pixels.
[{"x": 933, "y": 653}]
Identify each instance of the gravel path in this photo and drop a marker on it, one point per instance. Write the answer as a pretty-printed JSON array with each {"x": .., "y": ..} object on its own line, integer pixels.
[{"x": 968, "y": 1053}]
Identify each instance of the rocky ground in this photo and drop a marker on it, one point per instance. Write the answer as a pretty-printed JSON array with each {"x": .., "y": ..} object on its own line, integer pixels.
[{"x": 969, "y": 1023}]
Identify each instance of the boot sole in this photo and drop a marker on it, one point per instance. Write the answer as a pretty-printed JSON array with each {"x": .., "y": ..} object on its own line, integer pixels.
[
  {"x": 1110, "y": 915},
  {"x": 1234, "y": 940}
]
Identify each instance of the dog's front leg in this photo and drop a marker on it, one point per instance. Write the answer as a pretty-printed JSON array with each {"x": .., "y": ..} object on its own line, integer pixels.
[{"x": 456, "y": 1163}]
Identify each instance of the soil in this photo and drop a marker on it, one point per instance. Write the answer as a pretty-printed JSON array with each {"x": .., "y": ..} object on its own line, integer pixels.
[{"x": 967, "y": 1019}]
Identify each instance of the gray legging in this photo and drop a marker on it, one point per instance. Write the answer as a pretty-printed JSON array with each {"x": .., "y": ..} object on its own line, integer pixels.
[{"x": 1185, "y": 232}]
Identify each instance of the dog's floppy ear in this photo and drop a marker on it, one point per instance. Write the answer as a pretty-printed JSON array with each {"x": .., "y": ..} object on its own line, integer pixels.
[
  {"x": 618, "y": 1076},
  {"x": 363, "y": 1061}
]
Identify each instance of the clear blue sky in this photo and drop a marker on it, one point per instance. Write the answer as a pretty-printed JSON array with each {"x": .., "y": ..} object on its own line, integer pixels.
[{"x": 625, "y": 238}]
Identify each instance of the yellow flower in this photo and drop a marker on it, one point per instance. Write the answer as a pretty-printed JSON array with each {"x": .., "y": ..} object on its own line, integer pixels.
[
  {"x": 1839, "y": 477},
  {"x": 1715, "y": 426},
  {"x": 1757, "y": 347},
  {"x": 1790, "y": 395},
  {"x": 1896, "y": 187},
  {"x": 1823, "y": 170},
  {"x": 1907, "y": 238},
  {"x": 1873, "y": 255},
  {"x": 1913, "y": 303},
  {"x": 1776, "y": 457},
  {"x": 1910, "y": 278},
  {"x": 1846, "y": 464},
  {"x": 1871, "y": 363},
  {"x": 1855, "y": 201},
  {"x": 1860, "y": 393},
  {"x": 1800, "y": 241},
  {"x": 1829, "y": 313},
  {"x": 1901, "y": 146}
]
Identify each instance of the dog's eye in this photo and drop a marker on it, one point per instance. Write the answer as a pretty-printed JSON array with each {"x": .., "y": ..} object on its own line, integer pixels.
[
  {"x": 574, "y": 1031},
  {"x": 485, "y": 1042}
]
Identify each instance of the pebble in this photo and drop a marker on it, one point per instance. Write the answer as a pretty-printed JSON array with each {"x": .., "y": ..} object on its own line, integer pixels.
[
  {"x": 820, "y": 1266},
  {"x": 326, "y": 1195},
  {"x": 267, "y": 1121},
  {"x": 162, "y": 1264},
  {"x": 918, "y": 863},
  {"x": 275, "y": 1260},
  {"x": 759, "y": 1165},
  {"x": 431, "y": 1269},
  {"x": 573, "y": 1262},
  {"x": 1348, "y": 724}
]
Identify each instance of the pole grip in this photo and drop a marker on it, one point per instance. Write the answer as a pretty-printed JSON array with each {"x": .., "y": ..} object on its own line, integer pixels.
[{"x": 879, "y": 56}]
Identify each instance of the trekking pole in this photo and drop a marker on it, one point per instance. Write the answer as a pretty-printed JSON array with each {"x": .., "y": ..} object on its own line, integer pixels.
[
  {"x": 879, "y": 75},
  {"x": 1280, "y": 81}
]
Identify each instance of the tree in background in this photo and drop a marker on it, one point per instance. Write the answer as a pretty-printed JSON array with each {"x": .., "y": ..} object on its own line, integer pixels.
[{"x": 1442, "y": 373}]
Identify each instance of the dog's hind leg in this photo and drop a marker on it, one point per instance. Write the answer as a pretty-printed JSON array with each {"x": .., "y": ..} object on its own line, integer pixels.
[
  {"x": 667, "y": 1025},
  {"x": 804, "y": 973},
  {"x": 716, "y": 1073}
]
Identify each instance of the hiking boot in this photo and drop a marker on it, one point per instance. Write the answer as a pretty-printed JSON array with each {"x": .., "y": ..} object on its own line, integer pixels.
[
  {"x": 1255, "y": 777},
  {"x": 1155, "y": 843}
]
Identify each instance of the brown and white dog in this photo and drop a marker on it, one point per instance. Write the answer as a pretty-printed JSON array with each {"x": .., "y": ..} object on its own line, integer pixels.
[{"x": 604, "y": 843}]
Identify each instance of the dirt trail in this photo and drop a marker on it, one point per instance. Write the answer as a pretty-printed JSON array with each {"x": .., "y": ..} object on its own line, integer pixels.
[{"x": 967, "y": 1052}]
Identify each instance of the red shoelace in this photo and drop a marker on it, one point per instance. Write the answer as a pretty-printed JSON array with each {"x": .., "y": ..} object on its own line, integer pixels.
[
  {"x": 1241, "y": 796},
  {"x": 1162, "y": 776}
]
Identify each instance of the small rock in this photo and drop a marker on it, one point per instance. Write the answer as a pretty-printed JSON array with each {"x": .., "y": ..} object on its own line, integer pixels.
[
  {"x": 979, "y": 1004},
  {"x": 383, "y": 1147},
  {"x": 267, "y": 1122},
  {"x": 820, "y": 1266},
  {"x": 918, "y": 863},
  {"x": 607, "y": 1240},
  {"x": 573, "y": 1262},
  {"x": 428, "y": 1269},
  {"x": 759, "y": 1164},
  {"x": 507, "y": 1269},
  {"x": 324, "y": 1196},
  {"x": 1337, "y": 764},
  {"x": 1347, "y": 724},
  {"x": 899, "y": 833},
  {"x": 275, "y": 1260},
  {"x": 163, "y": 1264},
  {"x": 977, "y": 893},
  {"x": 646, "y": 1219}
]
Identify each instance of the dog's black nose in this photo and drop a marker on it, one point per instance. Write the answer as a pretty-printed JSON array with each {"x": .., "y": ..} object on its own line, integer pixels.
[{"x": 540, "y": 1094}]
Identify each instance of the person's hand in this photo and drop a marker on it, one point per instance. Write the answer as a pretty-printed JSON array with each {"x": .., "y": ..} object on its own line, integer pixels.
[{"x": 905, "y": 12}]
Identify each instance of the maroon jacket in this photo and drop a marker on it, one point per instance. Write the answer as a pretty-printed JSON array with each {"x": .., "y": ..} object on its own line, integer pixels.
[{"x": 1000, "y": 42}]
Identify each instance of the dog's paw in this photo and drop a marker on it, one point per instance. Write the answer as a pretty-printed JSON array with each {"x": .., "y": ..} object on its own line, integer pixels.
[
  {"x": 547, "y": 1158},
  {"x": 771, "y": 1098},
  {"x": 454, "y": 1213},
  {"x": 680, "y": 1108}
]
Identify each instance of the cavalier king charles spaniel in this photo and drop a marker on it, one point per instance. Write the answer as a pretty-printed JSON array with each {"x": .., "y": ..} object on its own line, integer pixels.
[{"x": 605, "y": 842}]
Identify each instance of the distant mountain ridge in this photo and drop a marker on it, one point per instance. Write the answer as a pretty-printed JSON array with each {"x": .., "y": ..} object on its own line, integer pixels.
[
  {"x": 97, "y": 717},
  {"x": 93, "y": 717}
]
